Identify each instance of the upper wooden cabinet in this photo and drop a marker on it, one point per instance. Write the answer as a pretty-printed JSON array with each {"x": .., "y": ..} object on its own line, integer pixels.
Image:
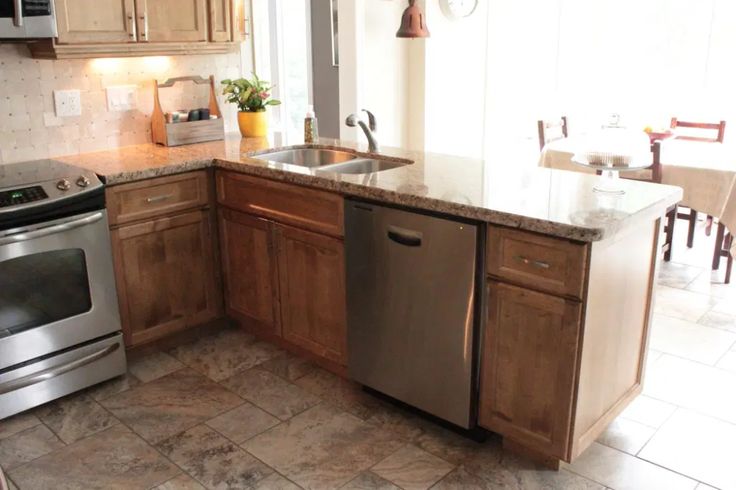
[
  {"x": 95, "y": 21},
  {"x": 220, "y": 20},
  {"x": 172, "y": 20},
  {"x": 101, "y": 28}
]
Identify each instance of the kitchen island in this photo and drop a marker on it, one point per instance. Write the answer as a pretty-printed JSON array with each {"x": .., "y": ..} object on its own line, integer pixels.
[{"x": 566, "y": 282}]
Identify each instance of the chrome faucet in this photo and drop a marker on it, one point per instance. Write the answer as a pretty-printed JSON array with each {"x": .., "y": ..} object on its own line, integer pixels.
[{"x": 369, "y": 130}]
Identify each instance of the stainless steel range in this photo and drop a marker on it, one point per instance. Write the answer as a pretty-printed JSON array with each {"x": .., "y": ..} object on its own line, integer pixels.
[{"x": 59, "y": 320}]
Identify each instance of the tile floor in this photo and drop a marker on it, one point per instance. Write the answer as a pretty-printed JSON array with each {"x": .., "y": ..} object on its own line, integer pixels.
[{"x": 228, "y": 411}]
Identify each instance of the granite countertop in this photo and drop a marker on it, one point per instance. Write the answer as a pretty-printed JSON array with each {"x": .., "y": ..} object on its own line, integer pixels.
[{"x": 553, "y": 202}]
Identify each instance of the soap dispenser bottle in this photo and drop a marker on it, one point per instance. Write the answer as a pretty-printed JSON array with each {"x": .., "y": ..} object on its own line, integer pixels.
[{"x": 311, "y": 132}]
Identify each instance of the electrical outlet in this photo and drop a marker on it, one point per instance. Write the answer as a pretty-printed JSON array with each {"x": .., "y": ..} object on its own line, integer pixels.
[
  {"x": 67, "y": 103},
  {"x": 121, "y": 98}
]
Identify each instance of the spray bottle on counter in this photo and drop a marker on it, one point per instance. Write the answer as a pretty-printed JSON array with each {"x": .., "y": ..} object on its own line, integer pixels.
[{"x": 311, "y": 131}]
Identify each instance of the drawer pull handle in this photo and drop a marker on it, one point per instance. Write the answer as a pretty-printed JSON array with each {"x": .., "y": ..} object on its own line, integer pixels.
[
  {"x": 534, "y": 263},
  {"x": 158, "y": 198}
]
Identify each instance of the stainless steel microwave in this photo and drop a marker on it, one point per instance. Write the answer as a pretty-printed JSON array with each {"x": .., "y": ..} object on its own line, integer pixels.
[{"x": 22, "y": 19}]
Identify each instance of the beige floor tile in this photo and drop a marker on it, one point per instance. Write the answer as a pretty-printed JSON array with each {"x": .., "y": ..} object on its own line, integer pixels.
[
  {"x": 709, "y": 282},
  {"x": 727, "y": 306},
  {"x": 515, "y": 476},
  {"x": 225, "y": 353},
  {"x": 412, "y": 469},
  {"x": 275, "y": 482},
  {"x": 112, "y": 459},
  {"x": 689, "y": 384},
  {"x": 181, "y": 482},
  {"x": 154, "y": 366},
  {"x": 169, "y": 405},
  {"x": 243, "y": 422},
  {"x": 113, "y": 386},
  {"x": 728, "y": 361},
  {"x": 75, "y": 416},
  {"x": 446, "y": 444},
  {"x": 690, "y": 340},
  {"x": 698, "y": 446},
  {"x": 626, "y": 435},
  {"x": 27, "y": 445},
  {"x": 323, "y": 447},
  {"x": 622, "y": 471},
  {"x": 369, "y": 481},
  {"x": 674, "y": 275},
  {"x": 719, "y": 320},
  {"x": 288, "y": 366},
  {"x": 213, "y": 460},
  {"x": 17, "y": 423},
  {"x": 271, "y": 393},
  {"x": 679, "y": 303},
  {"x": 648, "y": 411},
  {"x": 340, "y": 392}
]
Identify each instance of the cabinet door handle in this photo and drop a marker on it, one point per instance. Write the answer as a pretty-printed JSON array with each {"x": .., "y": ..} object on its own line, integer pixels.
[
  {"x": 131, "y": 26},
  {"x": 144, "y": 34},
  {"x": 534, "y": 263},
  {"x": 160, "y": 198}
]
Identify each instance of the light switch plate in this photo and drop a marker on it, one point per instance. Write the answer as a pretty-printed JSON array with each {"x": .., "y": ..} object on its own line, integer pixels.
[
  {"x": 121, "y": 97},
  {"x": 67, "y": 103}
]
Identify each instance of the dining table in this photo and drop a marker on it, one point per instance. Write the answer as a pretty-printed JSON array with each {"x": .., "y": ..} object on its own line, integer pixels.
[{"x": 706, "y": 172}]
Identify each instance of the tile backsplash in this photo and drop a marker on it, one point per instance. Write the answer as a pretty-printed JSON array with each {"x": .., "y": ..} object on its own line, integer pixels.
[{"x": 29, "y": 128}]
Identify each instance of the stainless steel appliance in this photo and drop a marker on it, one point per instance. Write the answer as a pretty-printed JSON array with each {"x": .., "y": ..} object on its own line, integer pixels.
[
  {"x": 59, "y": 320},
  {"x": 411, "y": 288},
  {"x": 20, "y": 19}
]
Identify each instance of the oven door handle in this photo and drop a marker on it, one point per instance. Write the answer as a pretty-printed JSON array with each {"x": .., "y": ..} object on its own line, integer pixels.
[
  {"x": 18, "y": 14},
  {"x": 51, "y": 230},
  {"x": 55, "y": 371}
]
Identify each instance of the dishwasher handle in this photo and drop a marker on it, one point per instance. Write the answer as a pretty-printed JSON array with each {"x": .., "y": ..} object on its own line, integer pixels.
[{"x": 402, "y": 236}]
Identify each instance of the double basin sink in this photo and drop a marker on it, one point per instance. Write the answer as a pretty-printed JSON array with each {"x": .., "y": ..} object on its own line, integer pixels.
[{"x": 333, "y": 161}]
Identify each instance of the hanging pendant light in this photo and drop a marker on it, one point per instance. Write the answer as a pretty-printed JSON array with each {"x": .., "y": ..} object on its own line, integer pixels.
[{"x": 412, "y": 22}]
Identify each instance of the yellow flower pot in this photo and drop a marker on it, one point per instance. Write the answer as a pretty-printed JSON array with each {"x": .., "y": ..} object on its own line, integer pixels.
[{"x": 253, "y": 124}]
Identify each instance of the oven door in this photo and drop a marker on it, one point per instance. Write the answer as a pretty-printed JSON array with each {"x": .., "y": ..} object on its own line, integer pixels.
[{"x": 57, "y": 287}]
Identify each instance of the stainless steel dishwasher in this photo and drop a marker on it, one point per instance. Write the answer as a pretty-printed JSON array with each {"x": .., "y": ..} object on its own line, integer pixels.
[{"x": 411, "y": 285}]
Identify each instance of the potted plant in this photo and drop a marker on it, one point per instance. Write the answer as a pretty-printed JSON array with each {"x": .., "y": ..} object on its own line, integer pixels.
[{"x": 252, "y": 97}]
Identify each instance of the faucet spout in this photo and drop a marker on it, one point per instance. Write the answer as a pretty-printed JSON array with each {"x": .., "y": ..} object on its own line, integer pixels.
[{"x": 368, "y": 129}]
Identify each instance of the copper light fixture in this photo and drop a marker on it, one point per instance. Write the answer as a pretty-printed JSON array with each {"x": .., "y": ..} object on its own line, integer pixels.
[{"x": 412, "y": 22}]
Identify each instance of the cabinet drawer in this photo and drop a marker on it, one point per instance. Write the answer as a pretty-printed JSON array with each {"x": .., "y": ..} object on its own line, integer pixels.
[
  {"x": 286, "y": 203},
  {"x": 548, "y": 264},
  {"x": 154, "y": 197}
]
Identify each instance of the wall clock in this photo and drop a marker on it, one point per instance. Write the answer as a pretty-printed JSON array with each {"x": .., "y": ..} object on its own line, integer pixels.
[{"x": 458, "y": 9}]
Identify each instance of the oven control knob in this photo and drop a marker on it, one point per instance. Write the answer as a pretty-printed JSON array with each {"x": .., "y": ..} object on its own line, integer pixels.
[
  {"x": 82, "y": 181},
  {"x": 63, "y": 185}
]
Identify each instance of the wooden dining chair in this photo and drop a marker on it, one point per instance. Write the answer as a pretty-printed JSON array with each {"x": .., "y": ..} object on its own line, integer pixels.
[
  {"x": 713, "y": 133},
  {"x": 551, "y": 131},
  {"x": 724, "y": 242},
  {"x": 719, "y": 128}
]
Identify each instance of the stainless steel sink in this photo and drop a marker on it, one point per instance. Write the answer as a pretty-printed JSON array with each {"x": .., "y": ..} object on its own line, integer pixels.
[
  {"x": 307, "y": 157},
  {"x": 362, "y": 166}
]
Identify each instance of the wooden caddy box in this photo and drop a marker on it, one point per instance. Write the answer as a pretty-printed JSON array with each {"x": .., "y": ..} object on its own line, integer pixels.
[{"x": 184, "y": 133}]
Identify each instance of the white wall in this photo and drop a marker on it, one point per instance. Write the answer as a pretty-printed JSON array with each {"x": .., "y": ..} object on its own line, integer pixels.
[{"x": 385, "y": 71}]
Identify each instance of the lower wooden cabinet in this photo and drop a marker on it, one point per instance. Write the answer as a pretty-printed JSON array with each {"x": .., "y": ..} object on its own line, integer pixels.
[
  {"x": 287, "y": 282},
  {"x": 312, "y": 287},
  {"x": 165, "y": 275},
  {"x": 249, "y": 265},
  {"x": 528, "y": 367}
]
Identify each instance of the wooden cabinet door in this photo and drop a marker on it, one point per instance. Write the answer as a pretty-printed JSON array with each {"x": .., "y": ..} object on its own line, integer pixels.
[
  {"x": 249, "y": 262},
  {"x": 171, "y": 20},
  {"x": 220, "y": 24},
  {"x": 165, "y": 274},
  {"x": 95, "y": 21},
  {"x": 529, "y": 360},
  {"x": 312, "y": 288}
]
